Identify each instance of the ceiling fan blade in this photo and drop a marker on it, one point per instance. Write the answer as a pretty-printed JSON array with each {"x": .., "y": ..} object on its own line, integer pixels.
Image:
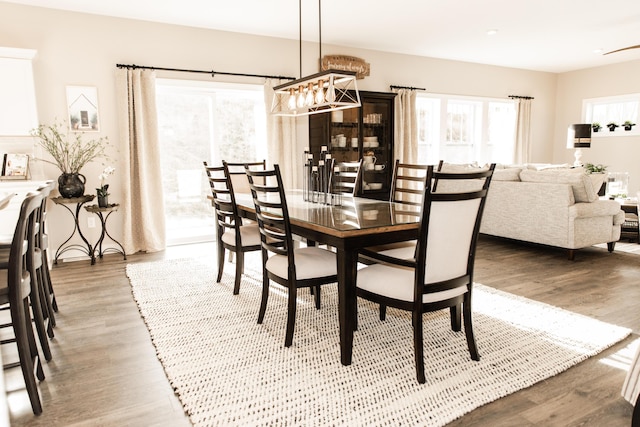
[{"x": 624, "y": 48}]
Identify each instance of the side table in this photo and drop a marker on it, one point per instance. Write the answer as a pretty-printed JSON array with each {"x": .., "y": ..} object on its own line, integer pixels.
[
  {"x": 95, "y": 209},
  {"x": 64, "y": 247}
]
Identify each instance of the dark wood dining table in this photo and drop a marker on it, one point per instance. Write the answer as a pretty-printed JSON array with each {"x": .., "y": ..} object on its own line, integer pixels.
[{"x": 356, "y": 224}]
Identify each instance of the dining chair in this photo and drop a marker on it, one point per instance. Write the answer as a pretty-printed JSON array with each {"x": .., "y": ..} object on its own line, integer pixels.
[
  {"x": 231, "y": 233},
  {"x": 407, "y": 187},
  {"x": 282, "y": 263},
  {"x": 441, "y": 275},
  {"x": 48, "y": 296},
  {"x": 16, "y": 296},
  {"x": 239, "y": 177},
  {"x": 348, "y": 177}
]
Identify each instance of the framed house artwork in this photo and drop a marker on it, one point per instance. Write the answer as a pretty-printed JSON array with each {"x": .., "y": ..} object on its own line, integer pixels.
[
  {"x": 82, "y": 103},
  {"x": 15, "y": 166}
]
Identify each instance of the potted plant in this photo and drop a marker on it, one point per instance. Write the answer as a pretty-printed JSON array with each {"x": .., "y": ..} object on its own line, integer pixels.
[
  {"x": 612, "y": 126},
  {"x": 103, "y": 190},
  {"x": 628, "y": 125},
  {"x": 70, "y": 153},
  {"x": 591, "y": 168},
  {"x": 596, "y": 126}
]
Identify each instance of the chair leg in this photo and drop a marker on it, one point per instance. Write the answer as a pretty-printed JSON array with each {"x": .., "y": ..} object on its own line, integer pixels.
[
  {"x": 239, "y": 271},
  {"x": 418, "y": 346},
  {"x": 28, "y": 352},
  {"x": 220, "y": 262},
  {"x": 317, "y": 296},
  {"x": 45, "y": 300},
  {"x": 38, "y": 317},
  {"x": 48, "y": 283},
  {"x": 456, "y": 318},
  {"x": 265, "y": 297},
  {"x": 383, "y": 312},
  {"x": 468, "y": 328},
  {"x": 291, "y": 315}
]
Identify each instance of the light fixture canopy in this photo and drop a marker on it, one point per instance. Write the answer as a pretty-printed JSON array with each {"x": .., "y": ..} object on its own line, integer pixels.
[
  {"x": 579, "y": 137},
  {"x": 331, "y": 90}
]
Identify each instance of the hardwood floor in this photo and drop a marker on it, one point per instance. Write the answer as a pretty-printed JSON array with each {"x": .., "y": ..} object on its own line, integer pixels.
[{"x": 104, "y": 369}]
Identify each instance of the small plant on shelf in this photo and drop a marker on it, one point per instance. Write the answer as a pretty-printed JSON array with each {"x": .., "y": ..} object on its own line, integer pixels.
[
  {"x": 596, "y": 126},
  {"x": 628, "y": 125},
  {"x": 591, "y": 168},
  {"x": 612, "y": 126}
]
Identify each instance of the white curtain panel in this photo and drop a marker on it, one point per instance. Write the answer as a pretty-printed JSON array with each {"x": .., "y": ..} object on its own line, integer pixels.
[
  {"x": 406, "y": 127},
  {"x": 281, "y": 141},
  {"x": 522, "y": 152},
  {"x": 143, "y": 203}
]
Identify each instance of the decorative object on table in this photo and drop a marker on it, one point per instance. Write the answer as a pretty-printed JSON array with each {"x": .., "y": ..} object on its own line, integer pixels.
[
  {"x": 82, "y": 103},
  {"x": 612, "y": 126},
  {"x": 578, "y": 137},
  {"x": 628, "y": 125},
  {"x": 103, "y": 194},
  {"x": 591, "y": 168},
  {"x": 596, "y": 126},
  {"x": 15, "y": 166},
  {"x": 70, "y": 154}
]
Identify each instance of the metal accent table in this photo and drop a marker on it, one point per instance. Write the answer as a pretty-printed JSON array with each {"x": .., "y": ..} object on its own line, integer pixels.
[
  {"x": 64, "y": 247},
  {"x": 95, "y": 209}
]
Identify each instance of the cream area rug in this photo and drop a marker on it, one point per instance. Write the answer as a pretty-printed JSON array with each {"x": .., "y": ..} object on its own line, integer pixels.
[{"x": 229, "y": 371}]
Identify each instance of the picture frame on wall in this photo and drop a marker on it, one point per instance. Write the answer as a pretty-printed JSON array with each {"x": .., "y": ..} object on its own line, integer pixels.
[
  {"x": 15, "y": 166},
  {"x": 82, "y": 104}
]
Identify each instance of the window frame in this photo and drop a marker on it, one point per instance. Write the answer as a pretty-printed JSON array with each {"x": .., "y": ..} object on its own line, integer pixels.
[{"x": 587, "y": 114}]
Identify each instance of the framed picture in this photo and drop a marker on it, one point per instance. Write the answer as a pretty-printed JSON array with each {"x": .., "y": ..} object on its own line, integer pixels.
[
  {"x": 15, "y": 166},
  {"x": 82, "y": 103}
]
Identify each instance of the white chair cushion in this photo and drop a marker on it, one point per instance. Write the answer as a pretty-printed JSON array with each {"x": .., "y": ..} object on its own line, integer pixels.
[
  {"x": 310, "y": 262},
  {"x": 400, "y": 250},
  {"x": 397, "y": 282},
  {"x": 250, "y": 235}
]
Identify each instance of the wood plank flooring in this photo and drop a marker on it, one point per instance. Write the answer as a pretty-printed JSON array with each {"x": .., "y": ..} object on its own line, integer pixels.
[{"x": 104, "y": 370}]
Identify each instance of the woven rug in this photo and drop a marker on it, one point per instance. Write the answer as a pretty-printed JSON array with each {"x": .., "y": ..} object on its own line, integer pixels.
[
  {"x": 628, "y": 247},
  {"x": 229, "y": 371}
]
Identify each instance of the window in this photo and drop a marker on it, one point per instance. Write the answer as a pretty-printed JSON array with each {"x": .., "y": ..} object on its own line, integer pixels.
[
  {"x": 613, "y": 109},
  {"x": 465, "y": 129},
  {"x": 203, "y": 121}
]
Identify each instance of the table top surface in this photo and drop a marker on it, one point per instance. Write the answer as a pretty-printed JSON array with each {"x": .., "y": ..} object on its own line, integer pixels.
[{"x": 356, "y": 216}]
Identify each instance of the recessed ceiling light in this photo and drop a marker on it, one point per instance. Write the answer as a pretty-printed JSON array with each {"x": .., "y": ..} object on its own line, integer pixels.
[{"x": 492, "y": 32}]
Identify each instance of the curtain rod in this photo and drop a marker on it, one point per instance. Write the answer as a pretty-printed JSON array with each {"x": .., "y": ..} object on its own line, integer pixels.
[
  {"x": 213, "y": 73},
  {"x": 406, "y": 87},
  {"x": 520, "y": 97}
]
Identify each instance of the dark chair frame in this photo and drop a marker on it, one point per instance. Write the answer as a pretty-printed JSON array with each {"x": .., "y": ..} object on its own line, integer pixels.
[
  {"x": 227, "y": 218},
  {"x": 459, "y": 306},
  {"x": 349, "y": 179},
  {"x": 276, "y": 237}
]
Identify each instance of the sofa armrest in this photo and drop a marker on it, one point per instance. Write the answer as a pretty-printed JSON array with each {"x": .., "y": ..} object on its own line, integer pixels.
[{"x": 593, "y": 209}]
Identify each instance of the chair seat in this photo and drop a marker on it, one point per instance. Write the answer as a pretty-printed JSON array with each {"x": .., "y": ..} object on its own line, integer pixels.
[
  {"x": 311, "y": 262},
  {"x": 377, "y": 277},
  {"x": 401, "y": 250},
  {"x": 250, "y": 235}
]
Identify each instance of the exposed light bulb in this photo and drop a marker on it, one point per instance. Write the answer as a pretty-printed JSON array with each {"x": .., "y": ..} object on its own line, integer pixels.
[
  {"x": 308, "y": 101},
  {"x": 300, "y": 100},
  {"x": 320, "y": 92},
  {"x": 331, "y": 92},
  {"x": 291, "y": 102}
]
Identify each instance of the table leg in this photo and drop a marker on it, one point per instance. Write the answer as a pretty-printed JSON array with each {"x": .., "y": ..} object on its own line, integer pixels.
[
  {"x": 347, "y": 269},
  {"x": 89, "y": 247}
]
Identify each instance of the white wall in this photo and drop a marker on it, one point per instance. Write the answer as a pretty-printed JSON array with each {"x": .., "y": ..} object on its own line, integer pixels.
[
  {"x": 619, "y": 153},
  {"x": 82, "y": 50}
]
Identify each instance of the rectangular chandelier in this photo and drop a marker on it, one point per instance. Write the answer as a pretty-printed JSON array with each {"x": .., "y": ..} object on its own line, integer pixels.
[{"x": 329, "y": 90}]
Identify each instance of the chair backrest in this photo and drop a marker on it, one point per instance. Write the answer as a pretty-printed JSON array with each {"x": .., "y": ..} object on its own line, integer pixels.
[
  {"x": 271, "y": 212},
  {"x": 22, "y": 246},
  {"x": 224, "y": 200},
  {"x": 347, "y": 177},
  {"x": 449, "y": 227},
  {"x": 41, "y": 213},
  {"x": 238, "y": 175},
  {"x": 408, "y": 183}
]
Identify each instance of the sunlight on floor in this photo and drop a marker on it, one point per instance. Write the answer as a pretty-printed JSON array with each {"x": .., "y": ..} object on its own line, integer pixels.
[{"x": 622, "y": 359}]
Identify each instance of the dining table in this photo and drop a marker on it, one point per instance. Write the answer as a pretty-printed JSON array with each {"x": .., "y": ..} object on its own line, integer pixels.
[{"x": 355, "y": 224}]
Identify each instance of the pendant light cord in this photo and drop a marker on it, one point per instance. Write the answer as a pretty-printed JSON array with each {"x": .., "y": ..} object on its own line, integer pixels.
[
  {"x": 320, "y": 33},
  {"x": 300, "y": 35}
]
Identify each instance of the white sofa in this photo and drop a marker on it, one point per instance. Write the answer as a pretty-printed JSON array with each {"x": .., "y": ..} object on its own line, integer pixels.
[{"x": 555, "y": 206}]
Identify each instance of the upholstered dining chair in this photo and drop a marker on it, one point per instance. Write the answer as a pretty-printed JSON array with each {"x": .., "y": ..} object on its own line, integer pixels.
[
  {"x": 239, "y": 177},
  {"x": 281, "y": 263},
  {"x": 231, "y": 233},
  {"x": 16, "y": 295},
  {"x": 347, "y": 179},
  {"x": 442, "y": 274}
]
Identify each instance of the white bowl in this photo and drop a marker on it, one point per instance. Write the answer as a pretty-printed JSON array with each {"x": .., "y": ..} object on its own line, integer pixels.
[
  {"x": 371, "y": 138},
  {"x": 375, "y": 185}
]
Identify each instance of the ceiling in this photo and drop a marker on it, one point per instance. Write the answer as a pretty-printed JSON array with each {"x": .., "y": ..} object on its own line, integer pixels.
[{"x": 543, "y": 35}]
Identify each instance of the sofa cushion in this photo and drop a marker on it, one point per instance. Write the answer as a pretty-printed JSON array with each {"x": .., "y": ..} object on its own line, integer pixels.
[
  {"x": 507, "y": 174},
  {"x": 581, "y": 183}
]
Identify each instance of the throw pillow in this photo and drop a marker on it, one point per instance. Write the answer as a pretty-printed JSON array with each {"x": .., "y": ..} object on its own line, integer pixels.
[{"x": 507, "y": 174}]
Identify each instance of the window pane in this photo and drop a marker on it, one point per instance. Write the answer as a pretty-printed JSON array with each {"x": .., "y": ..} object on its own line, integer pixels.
[{"x": 203, "y": 121}]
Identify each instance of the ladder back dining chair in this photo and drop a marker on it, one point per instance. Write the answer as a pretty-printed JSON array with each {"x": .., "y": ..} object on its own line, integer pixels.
[
  {"x": 441, "y": 276},
  {"x": 282, "y": 263},
  {"x": 231, "y": 233}
]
